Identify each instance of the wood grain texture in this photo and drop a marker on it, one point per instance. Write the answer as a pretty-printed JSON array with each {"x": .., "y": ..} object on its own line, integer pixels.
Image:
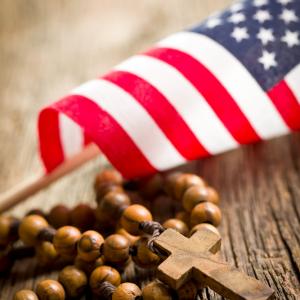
[{"x": 48, "y": 47}]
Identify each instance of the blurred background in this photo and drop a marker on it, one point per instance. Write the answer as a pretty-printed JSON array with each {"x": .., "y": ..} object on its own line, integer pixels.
[{"x": 49, "y": 47}]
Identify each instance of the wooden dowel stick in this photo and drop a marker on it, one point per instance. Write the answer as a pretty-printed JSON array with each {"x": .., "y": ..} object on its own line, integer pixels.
[{"x": 20, "y": 192}]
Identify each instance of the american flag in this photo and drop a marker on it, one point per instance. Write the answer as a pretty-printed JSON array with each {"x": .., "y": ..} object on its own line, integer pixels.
[{"x": 234, "y": 79}]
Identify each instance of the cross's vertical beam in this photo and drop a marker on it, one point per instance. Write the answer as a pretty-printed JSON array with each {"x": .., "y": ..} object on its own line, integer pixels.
[{"x": 206, "y": 241}]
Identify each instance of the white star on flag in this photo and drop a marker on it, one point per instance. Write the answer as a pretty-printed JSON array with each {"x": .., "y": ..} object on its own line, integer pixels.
[
  {"x": 265, "y": 35},
  {"x": 237, "y": 18},
  {"x": 236, "y": 7},
  {"x": 262, "y": 15},
  {"x": 259, "y": 3},
  {"x": 291, "y": 38},
  {"x": 268, "y": 60},
  {"x": 213, "y": 22},
  {"x": 284, "y": 2},
  {"x": 240, "y": 33},
  {"x": 288, "y": 16}
]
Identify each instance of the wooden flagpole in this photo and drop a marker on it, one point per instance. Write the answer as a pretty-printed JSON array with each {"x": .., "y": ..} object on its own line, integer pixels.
[{"x": 20, "y": 192}]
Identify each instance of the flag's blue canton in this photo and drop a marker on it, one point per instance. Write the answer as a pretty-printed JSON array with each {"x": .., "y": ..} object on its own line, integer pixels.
[{"x": 263, "y": 34}]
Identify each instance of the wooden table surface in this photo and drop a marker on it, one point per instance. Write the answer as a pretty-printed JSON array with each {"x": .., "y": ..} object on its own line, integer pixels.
[{"x": 48, "y": 47}]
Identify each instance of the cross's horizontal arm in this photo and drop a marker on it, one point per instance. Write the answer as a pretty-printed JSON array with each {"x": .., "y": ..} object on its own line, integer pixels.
[
  {"x": 175, "y": 272},
  {"x": 171, "y": 240}
]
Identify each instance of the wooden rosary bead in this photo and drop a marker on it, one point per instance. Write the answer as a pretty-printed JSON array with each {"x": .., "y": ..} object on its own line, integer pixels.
[
  {"x": 126, "y": 291},
  {"x": 88, "y": 246},
  {"x": 86, "y": 267},
  {"x": 131, "y": 238},
  {"x": 185, "y": 181},
  {"x": 197, "y": 194},
  {"x": 82, "y": 217},
  {"x": 106, "y": 188},
  {"x": 132, "y": 216},
  {"x": 59, "y": 216},
  {"x": 99, "y": 262},
  {"x": 143, "y": 256},
  {"x": 65, "y": 240},
  {"x": 108, "y": 176},
  {"x": 50, "y": 290},
  {"x": 5, "y": 226},
  {"x": 135, "y": 197},
  {"x": 188, "y": 291},
  {"x": 176, "y": 224},
  {"x": 206, "y": 212},
  {"x": 25, "y": 295},
  {"x": 73, "y": 280},
  {"x": 116, "y": 249},
  {"x": 36, "y": 211},
  {"x": 156, "y": 290},
  {"x": 30, "y": 228},
  {"x": 8, "y": 229},
  {"x": 204, "y": 226},
  {"x": 112, "y": 205},
  {"x": 103, "y": 224},
  {"x": 64, "y": 260},
  {"x": 151, "y": 186},
  {"x": 101, "y": 274},
  {"x": 47, "y": 234},
  {"x": 169, "y": 183},
  {"x": 183, "y": 216},
  {"x": 46, "y": 253},
  {"x": 213, "y": 195}
]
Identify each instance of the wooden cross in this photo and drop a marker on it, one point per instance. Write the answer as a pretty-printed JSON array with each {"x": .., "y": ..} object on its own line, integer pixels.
[{"x": 196, "y": 258}]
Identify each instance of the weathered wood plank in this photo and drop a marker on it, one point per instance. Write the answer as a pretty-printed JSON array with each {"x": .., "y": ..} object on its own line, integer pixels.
[{"x": 48, "y": 47}]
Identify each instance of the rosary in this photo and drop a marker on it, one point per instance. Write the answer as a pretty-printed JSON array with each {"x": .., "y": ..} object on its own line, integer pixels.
[{"x": 182, "y": 252}]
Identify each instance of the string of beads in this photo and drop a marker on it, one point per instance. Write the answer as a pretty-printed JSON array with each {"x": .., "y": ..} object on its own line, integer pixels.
[{"x": 93, "y": 247}]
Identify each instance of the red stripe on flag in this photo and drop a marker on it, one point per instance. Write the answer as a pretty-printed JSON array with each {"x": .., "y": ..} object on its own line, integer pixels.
[
  {"x": 51, "y": 150},
  {"x": 212, "y": 90},
  {"x": 164, "y": 114},
  {"x": 86, "y": 139},
  {"x": 111, "y": 138},
  {"x": 286, "y": 104}
]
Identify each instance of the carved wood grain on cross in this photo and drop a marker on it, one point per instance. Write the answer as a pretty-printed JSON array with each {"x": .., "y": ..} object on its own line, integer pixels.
[{"x": 196, "y": 258}]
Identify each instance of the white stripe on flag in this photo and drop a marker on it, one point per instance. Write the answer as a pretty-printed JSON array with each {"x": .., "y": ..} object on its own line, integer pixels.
[
  {"x": 71, "y": 136},
  {"x": 244, "y": 89},
  {"x": 191, "y": 105},
  {"x": 293, "y": 81},
  {"x": 135, "y": 120}
]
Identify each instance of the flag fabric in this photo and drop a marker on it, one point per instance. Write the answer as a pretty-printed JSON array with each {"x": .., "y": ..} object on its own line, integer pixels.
[{"x": 232, "y": 80}]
